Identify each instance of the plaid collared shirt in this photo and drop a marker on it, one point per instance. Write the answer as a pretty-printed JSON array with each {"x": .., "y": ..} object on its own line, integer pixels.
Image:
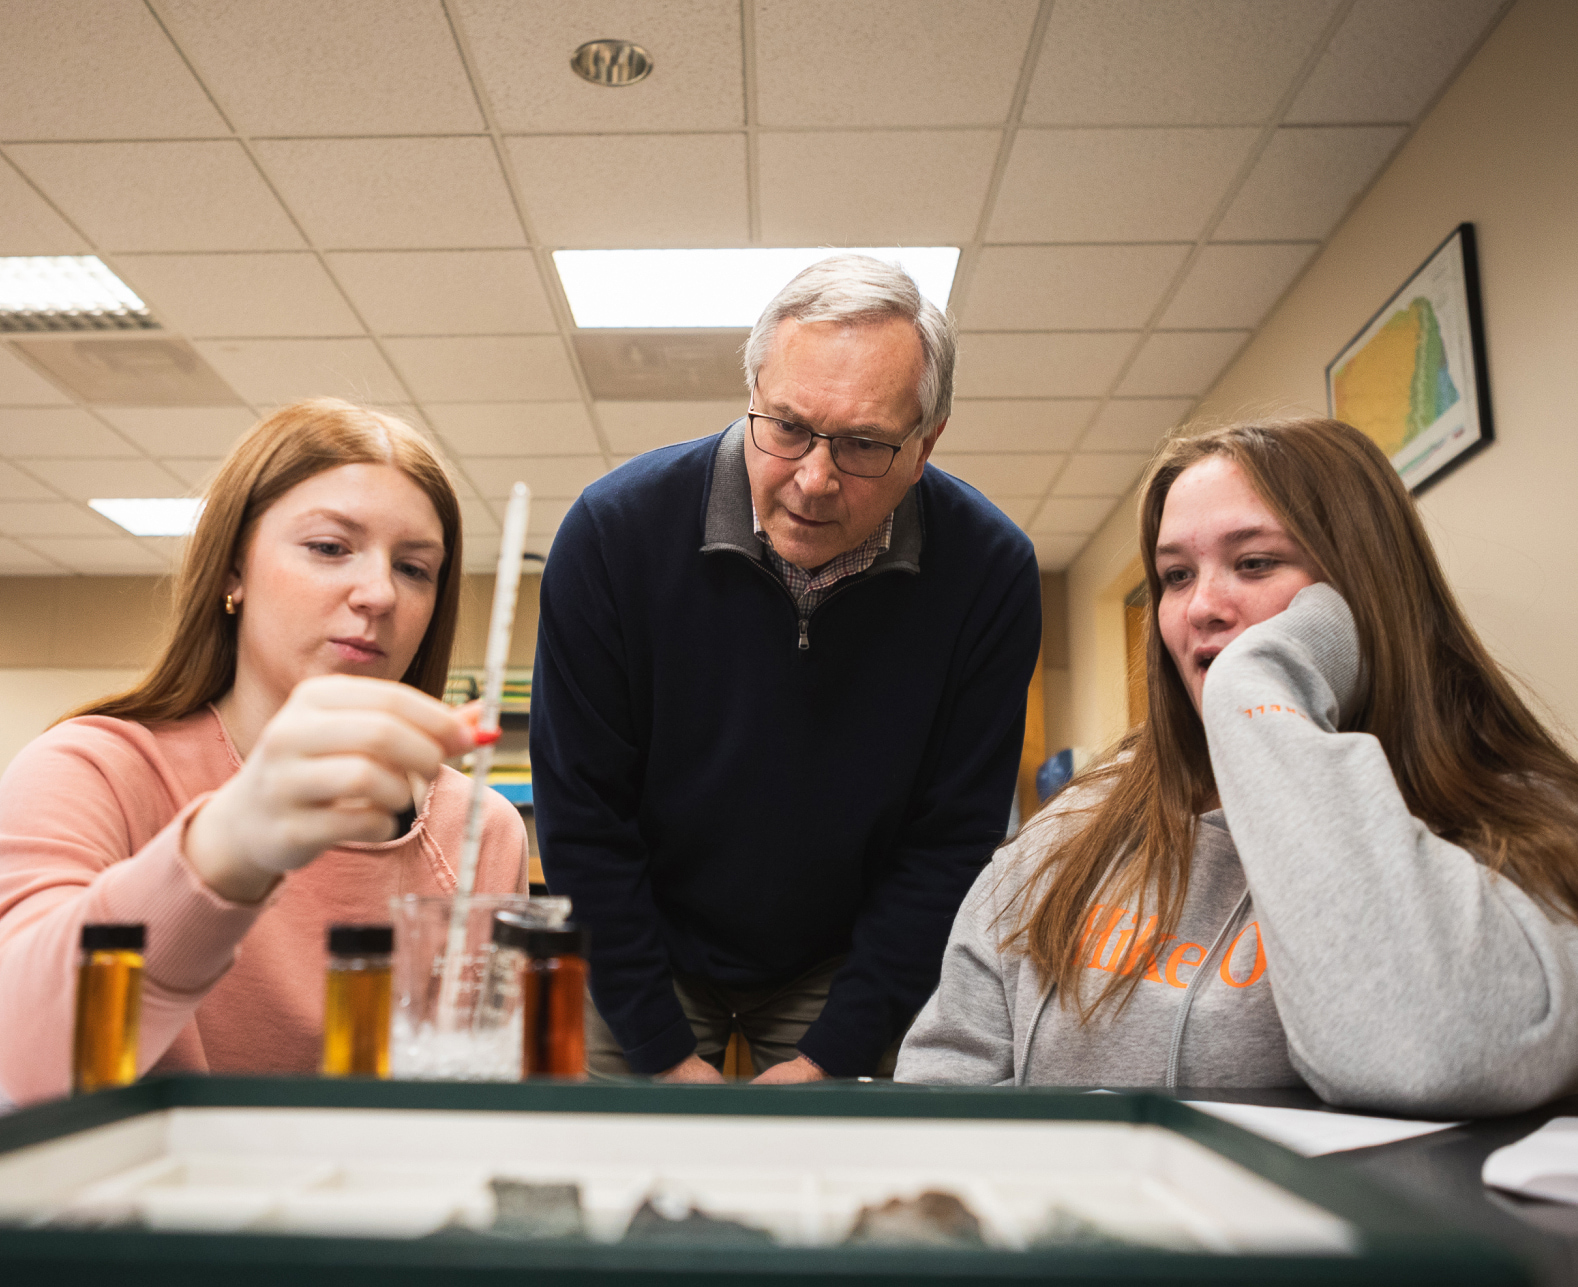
[{"x": 809, "y": 590}]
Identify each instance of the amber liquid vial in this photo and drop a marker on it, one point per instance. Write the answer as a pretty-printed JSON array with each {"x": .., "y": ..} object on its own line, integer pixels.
[
  {"x": 553, "y": 987},
  {"x": 109, "y": 1008},
  {"x": 356, "y": 1001}
]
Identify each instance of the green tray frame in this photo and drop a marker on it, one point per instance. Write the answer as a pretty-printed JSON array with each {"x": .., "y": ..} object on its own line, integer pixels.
[{"x": 1401, "y": 1245}]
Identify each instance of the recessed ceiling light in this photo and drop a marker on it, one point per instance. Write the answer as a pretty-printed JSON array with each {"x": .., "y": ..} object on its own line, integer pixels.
[
  {"x": 611, "y": 63},
  {"x": 642, "y": 289},
  {"x": 152, "y": 516},
  {"x": 67, "y": 293}
]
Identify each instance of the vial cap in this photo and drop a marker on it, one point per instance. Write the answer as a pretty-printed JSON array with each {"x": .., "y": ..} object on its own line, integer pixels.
[
  {"x": 511, "y": 929},
  {"x": 562, "y": 940},
  {"x": 113, "y": 938},
  {"x": 361, "y": 940}
]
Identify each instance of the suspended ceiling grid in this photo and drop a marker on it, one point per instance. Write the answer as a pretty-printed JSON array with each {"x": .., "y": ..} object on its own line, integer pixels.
[{"x": 362, "y": 199}]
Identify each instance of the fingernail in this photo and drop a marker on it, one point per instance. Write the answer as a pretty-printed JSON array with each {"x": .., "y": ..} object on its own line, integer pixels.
[{"x": 486, "y": 736}]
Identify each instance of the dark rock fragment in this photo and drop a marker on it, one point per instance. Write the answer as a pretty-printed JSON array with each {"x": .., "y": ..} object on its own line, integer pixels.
[{"x": 931, "y": 1220}]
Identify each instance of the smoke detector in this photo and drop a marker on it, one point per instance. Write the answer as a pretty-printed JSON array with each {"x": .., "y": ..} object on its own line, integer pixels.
[{"x": 611, "y": 63}]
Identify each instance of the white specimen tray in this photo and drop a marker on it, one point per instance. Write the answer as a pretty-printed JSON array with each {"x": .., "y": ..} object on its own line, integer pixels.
[{"x": 407, "y": 1173}]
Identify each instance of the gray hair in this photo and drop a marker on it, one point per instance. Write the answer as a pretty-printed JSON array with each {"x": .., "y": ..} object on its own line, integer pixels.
[{"x": 858, "y": 288}]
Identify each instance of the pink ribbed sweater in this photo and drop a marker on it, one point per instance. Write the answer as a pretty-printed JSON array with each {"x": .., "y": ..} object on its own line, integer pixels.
[{"x": 92, "y": 818}]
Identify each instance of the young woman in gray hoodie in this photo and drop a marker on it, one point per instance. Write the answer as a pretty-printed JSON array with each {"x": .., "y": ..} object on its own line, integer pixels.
[{"x": 1340, "y": 851}]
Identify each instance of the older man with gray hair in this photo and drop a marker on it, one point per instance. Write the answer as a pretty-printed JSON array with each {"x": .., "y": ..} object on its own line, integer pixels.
[{"x": 779, "y": 699}]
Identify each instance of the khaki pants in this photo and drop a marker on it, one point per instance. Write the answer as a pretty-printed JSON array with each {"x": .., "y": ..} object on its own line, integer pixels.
[{"x": 772, "y": 1021}]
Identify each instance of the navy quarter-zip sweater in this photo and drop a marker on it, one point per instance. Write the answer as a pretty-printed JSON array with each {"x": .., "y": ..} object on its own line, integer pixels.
[{"x": 721, "y": 801}]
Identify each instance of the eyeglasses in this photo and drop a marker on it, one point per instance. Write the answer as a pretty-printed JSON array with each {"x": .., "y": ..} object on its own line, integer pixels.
[{"x": 861, "y": 457}]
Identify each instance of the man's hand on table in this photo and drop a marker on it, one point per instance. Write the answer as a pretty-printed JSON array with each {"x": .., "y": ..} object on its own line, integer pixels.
[
  {"x": 693, "y": 1068},
  {"x": 793, "y": 1070}
]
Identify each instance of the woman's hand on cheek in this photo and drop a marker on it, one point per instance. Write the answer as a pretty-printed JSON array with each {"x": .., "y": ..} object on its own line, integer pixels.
[{"x": 332, "y": 766}]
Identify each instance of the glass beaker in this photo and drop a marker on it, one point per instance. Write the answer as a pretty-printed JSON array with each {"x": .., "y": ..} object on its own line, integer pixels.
[{"x": 420, "y": 1048}]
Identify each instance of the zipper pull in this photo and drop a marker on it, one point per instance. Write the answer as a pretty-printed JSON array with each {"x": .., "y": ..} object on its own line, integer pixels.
[{"x": 805, "y": 639}]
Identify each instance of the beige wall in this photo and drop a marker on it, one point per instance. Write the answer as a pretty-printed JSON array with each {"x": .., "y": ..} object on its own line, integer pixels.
[
  {"x": 1054, "y": 660},
  {"x": 1499, "y": 150}
]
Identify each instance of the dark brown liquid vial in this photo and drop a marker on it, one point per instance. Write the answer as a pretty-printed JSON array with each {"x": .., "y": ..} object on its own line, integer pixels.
[{"x": 552, "y": 1007}]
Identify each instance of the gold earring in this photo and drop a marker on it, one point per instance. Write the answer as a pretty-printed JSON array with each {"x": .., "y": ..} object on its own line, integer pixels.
[{"x": 230, "y": 605}]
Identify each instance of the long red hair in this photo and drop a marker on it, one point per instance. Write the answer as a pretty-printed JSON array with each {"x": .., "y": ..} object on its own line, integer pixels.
[
  {"x": 197, "y": 657},
  {"x": 1470, "y": 758}
]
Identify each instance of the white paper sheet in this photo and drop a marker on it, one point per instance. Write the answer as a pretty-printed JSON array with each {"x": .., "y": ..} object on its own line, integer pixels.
[
  {"x": 1541, "y": 1165},
  {"x": 1312, "y": 1133}
]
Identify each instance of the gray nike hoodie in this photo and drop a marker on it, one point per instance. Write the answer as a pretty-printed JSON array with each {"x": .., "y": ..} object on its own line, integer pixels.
[{"x": 1327, "y": 938}]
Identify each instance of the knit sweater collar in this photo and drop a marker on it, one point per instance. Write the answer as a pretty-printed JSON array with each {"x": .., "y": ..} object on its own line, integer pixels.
[{"x": 727, "y": 525}]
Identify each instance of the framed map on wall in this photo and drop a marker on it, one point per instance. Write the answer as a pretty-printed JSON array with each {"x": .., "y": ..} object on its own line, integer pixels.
[{"x": 1414, "y": 378}]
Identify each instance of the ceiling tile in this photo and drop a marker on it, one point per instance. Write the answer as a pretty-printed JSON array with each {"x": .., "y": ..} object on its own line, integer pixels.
[
  {"x": 83, "y": 480},
  {"x": 407, "y": 412},
  {"x": 1305, "y": 181},
  {"x": 17, "y": 486},
  {"x": 223, "y": 296},
  {"x": 1062, "y": 516},
  {"x": 522, "y": 51},
  {"x": 546, "y": 515},
  {"x": 477, "y": 519},
  {"x": 196, "y": 474},
  {"x": 549, "y": 477},
  {"x": 161, "y": 196},
  {"x": 1035, "y": 288},
  {"x": 29, "y": 225},
  {"x": 17, "y": 560},
  {"x": 481, "y": 553},
  {"x": 1041, "y": 366},
  {"x": 922, "y": 187},
  {"x": 1236, "y": 285},
  {"x": 642, "y": 426},
  {"x": 1002, "y": 473},
  {"x": 1018, "y": 508},
  {"x": 102, "y": 554},
  {"x": 51, "y": 518},
  {"x": 486, "y": 368},
  {"x": 21, "y": 386},
  {"x": 1054, "y": 553},
  {"x": 1180, "y": 363},
  {"x": 394, "y": 194},
  {"x": 1100, "y": 473},
  {"x": 272, "y": 372},
  {"x": 1135, "y": 424},
  {"x": 634, "y": 190},
  {"x": 662, "y": 365},
  {"x": 1389, "y": 58},
  {"x": 1116, "y": 185},
  {"x": 514, "y": 428},
  {"x": 99, "y": 71},
  {"x": 351, "y": 67},
  {"x": 1167, "y": 62},
  {"x": 51, "y": 431},
  {"x": 181, "y": 431},
  {"x": 888, "y": 62},
  {"x": 1016, "y": 424},
  {"x": 447, "y": 292}
]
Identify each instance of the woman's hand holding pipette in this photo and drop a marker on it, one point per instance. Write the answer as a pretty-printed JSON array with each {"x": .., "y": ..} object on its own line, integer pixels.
[{"x": 333, "y": 765}]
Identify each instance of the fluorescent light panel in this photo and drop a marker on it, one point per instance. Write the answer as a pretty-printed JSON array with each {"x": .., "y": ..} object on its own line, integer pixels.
[
  {"x": 67, "y": 293},
  {"x": 642, "y": 289},
  {"x": 152, "y": 516}
]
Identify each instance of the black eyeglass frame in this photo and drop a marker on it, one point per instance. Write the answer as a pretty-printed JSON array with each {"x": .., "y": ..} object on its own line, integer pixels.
[{"x": 833, "y": 439}]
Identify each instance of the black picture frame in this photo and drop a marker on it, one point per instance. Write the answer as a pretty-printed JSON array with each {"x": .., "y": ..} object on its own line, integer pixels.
[{"x": 1428, "y": 410}]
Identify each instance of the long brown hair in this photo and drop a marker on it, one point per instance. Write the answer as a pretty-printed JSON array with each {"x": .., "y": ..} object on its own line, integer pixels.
[
  {"x": 1470, "y": 758},
  {"x": 197, "y": 658}
]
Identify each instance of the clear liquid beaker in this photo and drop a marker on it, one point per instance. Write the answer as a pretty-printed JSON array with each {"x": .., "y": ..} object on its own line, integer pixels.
[{"x": 421, "y": 1048}]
